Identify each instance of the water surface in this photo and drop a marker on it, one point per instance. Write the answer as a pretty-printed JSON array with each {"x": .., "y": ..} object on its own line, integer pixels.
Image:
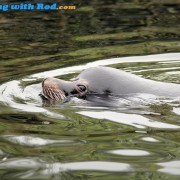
[{"x": 131, "y": 137}]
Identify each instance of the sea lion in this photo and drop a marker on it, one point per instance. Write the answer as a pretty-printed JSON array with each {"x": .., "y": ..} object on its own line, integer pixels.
[{"x": 105, "y": 80}]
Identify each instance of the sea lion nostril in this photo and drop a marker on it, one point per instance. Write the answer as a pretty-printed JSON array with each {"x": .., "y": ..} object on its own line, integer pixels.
[
  {"x": 66, "y": 93},
  {"x": 74, "y": 91}
]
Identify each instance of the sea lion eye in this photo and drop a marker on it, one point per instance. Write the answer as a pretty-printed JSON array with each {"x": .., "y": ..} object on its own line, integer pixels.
[{"x": 82, "y": 88}]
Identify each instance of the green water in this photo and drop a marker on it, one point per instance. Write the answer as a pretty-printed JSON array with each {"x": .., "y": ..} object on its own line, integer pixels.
[{"x": 134, "y": 137}]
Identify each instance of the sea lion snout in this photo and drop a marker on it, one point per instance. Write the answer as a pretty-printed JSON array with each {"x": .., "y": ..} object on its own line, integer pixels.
[{"x": 51, "y": 90}]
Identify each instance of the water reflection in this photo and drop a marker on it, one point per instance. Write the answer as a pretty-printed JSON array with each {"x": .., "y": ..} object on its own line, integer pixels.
[
  {"x": 87, "y": 166},
  {"x": 150, "y": 139},
  {"x": 37, "y": 141},
  {"x": 48, "y": 169},
  {"x": 172, "y": 167},
  {"x": 134, "y": 120},
  {"x": 129, "y": 152},
  {"x": 176, "y": 110},
  {"x": 21, "y": 164}
]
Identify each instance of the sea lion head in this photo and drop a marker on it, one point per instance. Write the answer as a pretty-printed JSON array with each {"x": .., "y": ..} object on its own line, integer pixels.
[{"x": 59, "y": 90}]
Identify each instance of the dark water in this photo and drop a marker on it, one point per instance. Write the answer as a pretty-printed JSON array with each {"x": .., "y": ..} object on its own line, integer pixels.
[{"x": 134, "y": 137}]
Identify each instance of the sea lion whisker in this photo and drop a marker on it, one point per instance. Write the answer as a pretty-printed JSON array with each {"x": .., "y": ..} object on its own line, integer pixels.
[
  {"x": 49, "y": 92},
  {"x": 45, "y": 92},
  {"x": 57, "y": 95}
]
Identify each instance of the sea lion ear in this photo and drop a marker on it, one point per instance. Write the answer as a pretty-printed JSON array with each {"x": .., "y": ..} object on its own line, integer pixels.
[{"x": 82, "y": 88}]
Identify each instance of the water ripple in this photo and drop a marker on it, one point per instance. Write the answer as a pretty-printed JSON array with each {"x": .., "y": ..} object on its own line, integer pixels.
[
  {"x": 69, "y": 70},
  {"x": 134, "y": 120},
  {"x": 37, "y": 141},
  {"x": 44, "y": 170},
  {"x": 129, "y": 152},
  {"x": 172, "y": 167}
]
